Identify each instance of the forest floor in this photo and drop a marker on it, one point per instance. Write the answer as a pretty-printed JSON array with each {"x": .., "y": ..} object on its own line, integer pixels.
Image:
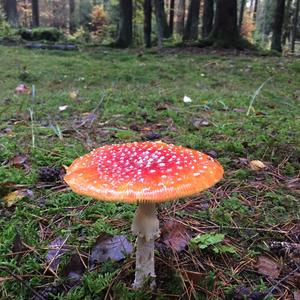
[{"x": 240, "y": 239}]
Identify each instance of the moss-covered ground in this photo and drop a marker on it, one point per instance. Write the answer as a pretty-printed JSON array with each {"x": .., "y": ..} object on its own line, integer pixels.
[{"x": 83, "y": 100}]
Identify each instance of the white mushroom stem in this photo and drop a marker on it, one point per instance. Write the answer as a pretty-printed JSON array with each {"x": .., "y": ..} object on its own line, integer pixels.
[{"x": 146, "y": 226}]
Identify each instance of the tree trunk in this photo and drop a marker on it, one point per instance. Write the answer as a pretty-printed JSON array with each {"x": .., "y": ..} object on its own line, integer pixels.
[
  {"x": 35, "y": 13},
  {"x": 295, "y": 23},
  {"x": 147, "y": 22},
  {"x": 72, "y": 24},
  {"x": 191, "y": 27},
  {"x": 10, "y": 9},
  {"x": 255, "y": 10},
  {"x": 125, "y": 24},
  {"x": 208, "y": 17},
  {"x": 180, "y": 16},
  {"x": 171, "y": 17},
  {"x": 225, "y": 30},
  {"x": 242, "y": 9},
  {"x": 277, "y": 25},
  {"x": 287, "y": 23},
  {"x": 161, "y": 19}
]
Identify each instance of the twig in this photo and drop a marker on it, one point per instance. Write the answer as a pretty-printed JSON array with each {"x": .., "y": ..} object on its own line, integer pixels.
[
  {"x": 217, "y": 227},
  {"x": 5, "y": 269},
  {"x": 280, "y": 281},
  {"x": 96, "y": 109},
  {"x": 57, "y": 254}
]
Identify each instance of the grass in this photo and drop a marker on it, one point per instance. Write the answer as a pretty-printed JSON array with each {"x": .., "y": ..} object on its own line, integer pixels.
[{"x": 126, "y": 91}]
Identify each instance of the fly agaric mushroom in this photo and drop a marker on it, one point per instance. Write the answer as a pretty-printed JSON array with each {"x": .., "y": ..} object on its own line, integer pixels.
[{"x": 145, "y": 173}]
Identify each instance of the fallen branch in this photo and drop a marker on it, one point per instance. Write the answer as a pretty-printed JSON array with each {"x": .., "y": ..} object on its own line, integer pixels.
[
  {"x": 279, "y": 282},
  {"x": 63, "y": 47},
  {"x": 18, "y": 278}
]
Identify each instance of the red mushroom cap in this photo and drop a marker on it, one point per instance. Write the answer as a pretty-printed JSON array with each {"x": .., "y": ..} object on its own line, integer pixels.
[{"x": 142, "y": 172}]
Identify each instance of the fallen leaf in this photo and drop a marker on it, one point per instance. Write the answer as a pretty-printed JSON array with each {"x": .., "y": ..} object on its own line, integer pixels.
[
  {"x": 109, "y": 247},
  {"x": 18, "y": 247},
  {"x": 22, "y": 89},
  {"x": 239, "y": 110},
  {"x": 20, "y": 161},
  {"x": 211, "y": 153},
  {"x": 134, "y": 127},
  {"x": 198, "y": 123},
  {"x": 260, "y": 113},
  {"x": 174, "y": 235},
  {"x": 74, "y": 269},
  {"x": 63, "y": 107},
  {"x": 15, "y": 196},
  {"x": 163, "y": 106},
  {"x": 268, "y": 267},
  {"x": 56, "y": 249},
  {"x": 257, "y": 165},
  {"x": 192, "y": 276},
  {"x": 187, "y": 99},
  {"x": 87, "y": 119},
  {"x": 151, "y": 136}
]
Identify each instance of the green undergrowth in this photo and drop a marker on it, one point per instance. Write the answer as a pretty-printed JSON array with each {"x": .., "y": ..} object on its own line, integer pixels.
[{"x": 129, "y": 91}]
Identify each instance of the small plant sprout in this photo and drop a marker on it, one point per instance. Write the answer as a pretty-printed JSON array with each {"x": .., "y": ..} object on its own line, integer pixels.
[{"x": 145, "y": 173}]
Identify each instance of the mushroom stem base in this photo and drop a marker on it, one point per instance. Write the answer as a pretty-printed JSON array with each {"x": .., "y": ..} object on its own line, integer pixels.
[{"x": 146, "y": 226}]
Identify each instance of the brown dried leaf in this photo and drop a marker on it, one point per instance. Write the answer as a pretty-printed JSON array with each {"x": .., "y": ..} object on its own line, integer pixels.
[
  {"x": 18, "y": 247},
  {"x": 268, "y": 267},
  {"x": 174, "y": 235},
  {"x": 151, "y": 136},
  {"x": 261, "y": 113},
  {"x": 74, "y": 269},
  {"x": 20, "y": 161},
  {"x": 191, "y": 276}
]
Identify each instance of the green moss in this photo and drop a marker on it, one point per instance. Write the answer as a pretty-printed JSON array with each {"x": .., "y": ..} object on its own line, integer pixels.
[{"x": 147, "y": 91}]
